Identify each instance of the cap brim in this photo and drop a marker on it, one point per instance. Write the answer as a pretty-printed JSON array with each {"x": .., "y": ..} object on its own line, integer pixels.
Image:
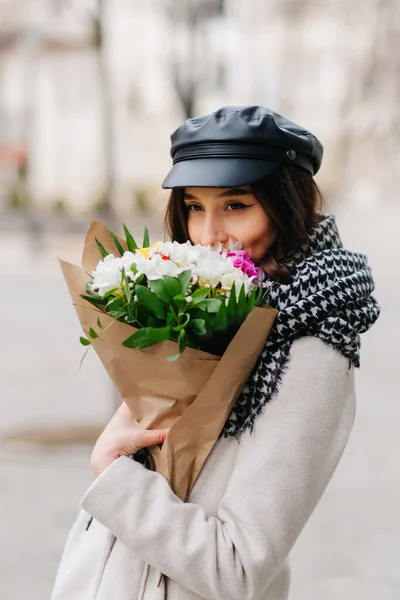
[{"x": 218, "y": 172}]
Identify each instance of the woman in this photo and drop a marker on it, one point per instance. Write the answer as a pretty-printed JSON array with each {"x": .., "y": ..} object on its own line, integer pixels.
[{"x": 244, "y": 173}]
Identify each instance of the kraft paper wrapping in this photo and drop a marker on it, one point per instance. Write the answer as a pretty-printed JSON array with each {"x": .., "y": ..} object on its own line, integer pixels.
[{"x": 192, "y": 395}]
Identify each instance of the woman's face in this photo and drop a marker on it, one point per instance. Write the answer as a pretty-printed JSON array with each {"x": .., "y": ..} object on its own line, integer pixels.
[{"x": 217, "y": 214}]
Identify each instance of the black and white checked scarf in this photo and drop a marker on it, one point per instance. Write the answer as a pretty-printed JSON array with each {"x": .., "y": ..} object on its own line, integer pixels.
[{"x": 329, "y": 297}]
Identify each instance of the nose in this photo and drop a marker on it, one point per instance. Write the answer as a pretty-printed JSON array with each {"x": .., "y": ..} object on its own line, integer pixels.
[{"x": 213, "y": 232}]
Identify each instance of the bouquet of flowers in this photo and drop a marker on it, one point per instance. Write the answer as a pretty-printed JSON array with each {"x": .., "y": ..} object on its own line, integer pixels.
[
  {"x": 197, "y": 296},
  {"x": 178, "y": 328}
]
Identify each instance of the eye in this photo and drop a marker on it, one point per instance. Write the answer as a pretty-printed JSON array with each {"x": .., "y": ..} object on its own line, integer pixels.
[
  {"x": 236, "y": 206},
  {"x": 193, "y": 207}
]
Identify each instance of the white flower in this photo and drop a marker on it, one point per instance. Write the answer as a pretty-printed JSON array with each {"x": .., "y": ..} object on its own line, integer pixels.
[
  {"x": 181, "y": 254},
  {"x": 209, "y": 265},
  {"x": 234, "y": 245},
  {"x": 227, "y": 280},
  {"x": 155, "y": 267},
  {"x": 231, "y": 246},
  {"x": 211, "y": 271},
  {"x": 108, "y": 273},
  {"x": 238, "y": 278}
]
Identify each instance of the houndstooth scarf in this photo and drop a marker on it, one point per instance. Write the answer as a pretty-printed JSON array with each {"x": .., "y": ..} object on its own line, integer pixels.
[{"x": 328, "y": 297}]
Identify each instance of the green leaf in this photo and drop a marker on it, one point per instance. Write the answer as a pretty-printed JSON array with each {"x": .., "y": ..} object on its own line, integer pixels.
[
  {"x": 149, "y": 299},
  {"x": 147, "y": 336},
  {"x": 110, "y": 293},
  {"x": 99, "y": 324},
  {"x": 127, "y": 291},
  {"x": 241, "y": 305},
  {"x": 182, "y": 325},
  {"x": 130, "y": 242},
  {"x": 210, "y": 305},
  {"x": 221, "y": 319},
  {"x": 125, "y": 281},
  {"x": 180, "y": 304},
  {"x": 180, "y": 298},
  {"x": 172, "y": 286},
  {"x": 115, "y": 304},
  {"x": 158, "y": 287},
  {"x": 260, "y": 294},
  {"x": 198, "y": 326},
  {"x": 140, "y": 278},
  {"x": 265, "y": 293},
  {"x": 116, "y": 242},
  {"x": 174, "y": 313},
  {"x": 119, "y": 314},
  {"x": 200, "y": 295},
  {"x": 93, "y": 334},
  {"x": 93, "y": 298},
  {"x": 103, "y": 251},
  {"x": 117, "y": 307},
  {"x": 184, "y": 280},
  {"x": 84, "y": 341},
  {"x": 182, "y": 341},
  {"x": 251, "y": 301},
  {"x": 232, "y": 307},
  {"x": 154, "y": 322},
  {"x": 146, "y": 238}
]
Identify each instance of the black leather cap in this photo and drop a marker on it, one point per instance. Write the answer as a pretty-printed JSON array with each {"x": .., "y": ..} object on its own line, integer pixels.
[{"x": 238, "y": 145}]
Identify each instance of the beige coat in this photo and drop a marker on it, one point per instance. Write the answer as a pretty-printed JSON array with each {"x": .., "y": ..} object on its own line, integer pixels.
[{"x": 231, "y": 540}]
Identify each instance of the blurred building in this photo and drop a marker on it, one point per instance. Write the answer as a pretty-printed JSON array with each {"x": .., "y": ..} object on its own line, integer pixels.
[{"x": 90, "y": 91}]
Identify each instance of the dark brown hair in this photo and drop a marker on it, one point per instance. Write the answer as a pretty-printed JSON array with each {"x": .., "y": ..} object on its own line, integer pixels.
[{"x": 292, "y": 201}]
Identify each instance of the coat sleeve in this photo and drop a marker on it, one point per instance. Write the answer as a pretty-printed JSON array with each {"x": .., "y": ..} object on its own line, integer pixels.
[{"x": 280, "y": 472}]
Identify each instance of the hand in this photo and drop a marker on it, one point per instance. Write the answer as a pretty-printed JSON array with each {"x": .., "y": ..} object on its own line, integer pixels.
[{"x": 123, "y": 436}]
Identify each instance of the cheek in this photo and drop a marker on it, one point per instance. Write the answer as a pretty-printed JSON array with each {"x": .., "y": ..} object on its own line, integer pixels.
[
  {"x": 194, "y": 231},
  {"x": 259, "y": 235}
]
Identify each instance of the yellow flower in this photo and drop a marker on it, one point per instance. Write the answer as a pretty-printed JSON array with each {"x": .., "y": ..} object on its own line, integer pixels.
[
  {"x": 146, "y": 251},
  {"x": 119, "y": 293}
]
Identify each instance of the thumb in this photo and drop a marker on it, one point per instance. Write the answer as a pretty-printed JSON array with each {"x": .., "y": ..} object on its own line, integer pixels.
[{"x": 153, "y": 437}]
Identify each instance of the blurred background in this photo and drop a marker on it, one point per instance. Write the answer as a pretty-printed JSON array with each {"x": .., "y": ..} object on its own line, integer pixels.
[{"x": 90, "y": 91}]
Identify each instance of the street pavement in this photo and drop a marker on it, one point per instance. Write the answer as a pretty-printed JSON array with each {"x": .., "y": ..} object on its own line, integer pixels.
[{"x": 349, "y": 548}]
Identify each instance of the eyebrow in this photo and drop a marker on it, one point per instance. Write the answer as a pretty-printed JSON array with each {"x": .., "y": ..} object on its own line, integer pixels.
[{"x": 226, "y": 194}]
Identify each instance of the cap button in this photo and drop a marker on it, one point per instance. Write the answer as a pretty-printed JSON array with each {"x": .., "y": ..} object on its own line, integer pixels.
[{"x": 291, "y": 154}]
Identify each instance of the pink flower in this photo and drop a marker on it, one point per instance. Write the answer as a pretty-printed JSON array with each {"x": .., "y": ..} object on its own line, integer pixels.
[{"x": 241, "y": 260}]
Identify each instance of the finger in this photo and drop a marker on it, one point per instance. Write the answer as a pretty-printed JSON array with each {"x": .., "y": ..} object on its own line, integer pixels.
[{"x": 153, "y": 437}]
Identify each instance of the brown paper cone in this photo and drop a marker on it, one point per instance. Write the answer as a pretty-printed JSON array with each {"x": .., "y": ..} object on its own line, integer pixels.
[
  {"x": 193, "y": 436},
  {"x": 91, "y": 255},
  {"x": 192, "y": 395}
]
